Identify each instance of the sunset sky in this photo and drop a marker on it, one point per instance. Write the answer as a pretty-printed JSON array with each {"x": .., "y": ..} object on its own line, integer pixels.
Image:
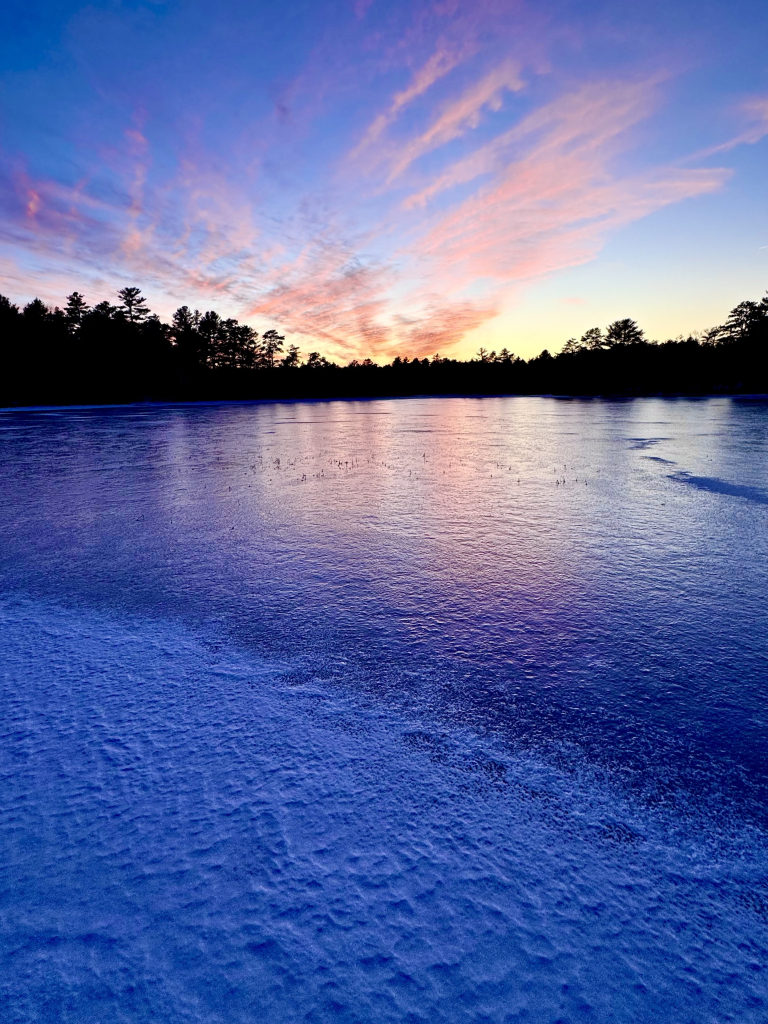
[{"x": 380, "y": 178}]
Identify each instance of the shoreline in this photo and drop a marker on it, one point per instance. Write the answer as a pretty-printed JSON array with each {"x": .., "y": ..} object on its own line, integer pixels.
[{"x": 607, "y": 396}]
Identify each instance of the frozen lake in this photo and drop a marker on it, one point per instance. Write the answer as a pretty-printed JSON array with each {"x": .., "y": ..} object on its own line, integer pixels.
[{"x": 441, "y": 710}]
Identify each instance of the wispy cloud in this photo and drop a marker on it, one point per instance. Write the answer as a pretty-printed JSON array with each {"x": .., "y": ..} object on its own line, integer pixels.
[
  {"x": 138, "y": 153},
  {"x": 348, "y": 306},
  {"x": 444, "y": 59},
  {"x": 192, "y": 231},
  {"x": 754, "y": 114},
  {"x": 589, "y": 120},
  {"x": 328, "y": 296},
  {"x": 549, "y": 192},
  {"x": 441, "y": 326},
  {"x": 456, "y": 118}
]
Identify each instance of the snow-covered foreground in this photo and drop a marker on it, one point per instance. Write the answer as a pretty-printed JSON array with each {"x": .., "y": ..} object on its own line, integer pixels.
[{"x": 192, "y": 835}]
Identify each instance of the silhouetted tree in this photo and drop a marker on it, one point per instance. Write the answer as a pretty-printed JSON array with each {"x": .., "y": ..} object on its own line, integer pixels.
[
  {"x": 227, "y": 347},
  {"x": 105, "y": 310},
  {"x": 744, "y": 322},
  {"x": 246, "y": 342},
  {"x": 210, "y": 331},
  {"x": 592, "y": 339},
  {"x": 35, "y": 311},
  {"x": 291, "y": 358},
  {"x": 75, "y": 310},
  {"x": 187, "y": 344},
  {"x": 185, "y": 320},
  {"x": 623, "y": 332},
  {"x": 8, "y": 311},
  {"x": 271, "y": 344},
  {"x": 315, "y": 361},
  {"x": 134, "y": 305}
]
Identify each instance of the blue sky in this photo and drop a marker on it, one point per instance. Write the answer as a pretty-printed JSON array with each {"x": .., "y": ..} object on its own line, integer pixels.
[{"x": 379, "y": 178}]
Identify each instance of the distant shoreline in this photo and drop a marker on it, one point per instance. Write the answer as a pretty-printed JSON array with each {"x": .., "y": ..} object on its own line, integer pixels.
[
  {"x": 122, "y": 355},
  {"x": 164, "y": 403}
]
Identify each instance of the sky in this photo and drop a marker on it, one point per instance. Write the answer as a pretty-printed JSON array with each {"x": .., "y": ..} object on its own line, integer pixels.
[{"x": 390, "y": 177}]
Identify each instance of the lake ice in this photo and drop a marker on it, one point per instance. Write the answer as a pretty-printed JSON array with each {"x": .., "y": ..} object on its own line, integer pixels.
[{"x": 440, "y": 710}]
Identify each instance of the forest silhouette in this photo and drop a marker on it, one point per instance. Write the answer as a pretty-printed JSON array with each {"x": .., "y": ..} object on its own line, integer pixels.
[{"x": 122, "y": 353}]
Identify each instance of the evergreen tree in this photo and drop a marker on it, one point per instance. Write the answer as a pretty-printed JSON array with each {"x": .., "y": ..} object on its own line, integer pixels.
[
  {"x": 292, "y": 357},
  {"x": 35, "y": 311},
  {"x": 623, "y": 332},
  {"x": 184, "y": 320},
  {"x": 745, "y": 321},
  {"x": 271, "y": 345},
  {"x": 103, "y": 310},
  {"x": 134, "y": 306},
  {"x": 315, "y": 361},
  {"x": 186, "y": 338},
  {"x": 592, "y": 339},
  {"x": 246, "y": 342},
  {"x": 210, "y": 329},
  {"x": 75, "y": 310},
  {"x": 9, "y": 311}
]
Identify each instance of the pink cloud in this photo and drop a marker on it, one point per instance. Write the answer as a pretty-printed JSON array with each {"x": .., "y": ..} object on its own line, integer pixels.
[
  {"x": 330, "y": 299},
  {"x": 594, "y": 118},
  {"x": 553, "y": 195},
  {"x": 459, "y": 116},
  {"x": 194, "y": 230},
  {"x": 443, "y": 60},
  {"x": 442, "y": 326},
  {"x": 138, "y": 150}
]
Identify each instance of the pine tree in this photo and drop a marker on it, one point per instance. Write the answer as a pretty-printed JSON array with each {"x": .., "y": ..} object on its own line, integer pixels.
[
  {"x": 271, "y": 345},
  {"x": 134, "y": 306},
  {"x": 623, "y": 332},
  {"x": 75, "y": 310}
]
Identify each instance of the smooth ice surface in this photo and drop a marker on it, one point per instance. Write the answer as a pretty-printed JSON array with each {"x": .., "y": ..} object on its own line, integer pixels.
[{"x": 428, "y": 710}]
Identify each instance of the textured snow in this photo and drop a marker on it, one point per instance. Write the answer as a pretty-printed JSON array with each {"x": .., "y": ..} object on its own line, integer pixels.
[{"x": 187, "y": 837}]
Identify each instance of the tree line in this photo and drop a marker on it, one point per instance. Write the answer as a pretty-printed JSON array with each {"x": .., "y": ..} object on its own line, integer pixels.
[{"x": 122, "y": 352}]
